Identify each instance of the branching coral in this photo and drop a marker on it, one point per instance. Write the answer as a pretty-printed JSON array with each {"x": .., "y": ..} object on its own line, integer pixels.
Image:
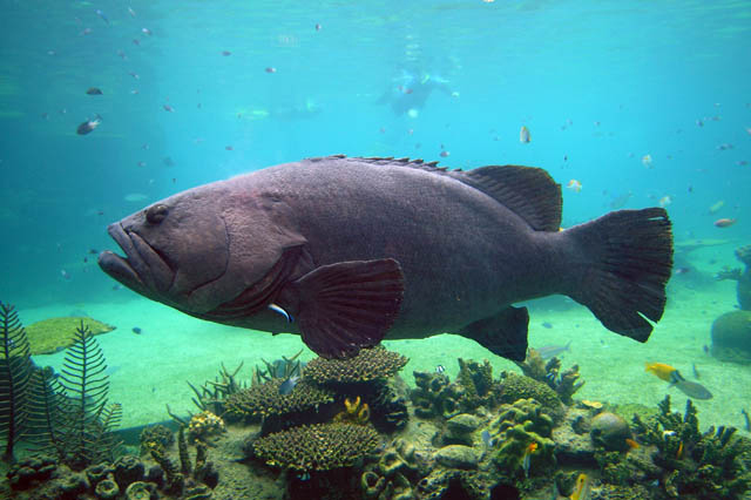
[
  {"x": 564, "y": 384},
  {"x": 706, "y": 465},
  {"x": 435, "y": 395}
]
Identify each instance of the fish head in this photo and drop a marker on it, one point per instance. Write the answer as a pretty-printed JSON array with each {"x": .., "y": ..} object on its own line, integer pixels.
[{"x": 210, "y": 251}]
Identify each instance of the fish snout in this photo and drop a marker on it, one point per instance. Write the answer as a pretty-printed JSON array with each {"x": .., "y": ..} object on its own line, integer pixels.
[{"x": 142, "y": 269}]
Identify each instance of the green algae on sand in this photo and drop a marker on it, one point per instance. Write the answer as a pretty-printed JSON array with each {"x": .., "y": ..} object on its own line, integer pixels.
[{"x": 55, "y": 334}]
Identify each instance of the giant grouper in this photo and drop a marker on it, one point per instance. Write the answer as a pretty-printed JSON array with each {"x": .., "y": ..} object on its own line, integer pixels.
[{"x": 348, "y": 251}]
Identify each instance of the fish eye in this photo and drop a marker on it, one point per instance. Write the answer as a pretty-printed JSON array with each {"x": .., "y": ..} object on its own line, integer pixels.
[{"x": 156, "y": 213}]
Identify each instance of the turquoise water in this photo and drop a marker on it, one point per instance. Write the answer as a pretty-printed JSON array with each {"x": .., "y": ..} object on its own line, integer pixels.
[{"x": 228, "y": 87}]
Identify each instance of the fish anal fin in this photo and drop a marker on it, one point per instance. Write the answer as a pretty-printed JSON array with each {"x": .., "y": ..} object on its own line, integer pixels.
[
  {"x": 529, "y": 192},
  {"x": 348, "y": 305},
  {"x": 504, "y": 334}
]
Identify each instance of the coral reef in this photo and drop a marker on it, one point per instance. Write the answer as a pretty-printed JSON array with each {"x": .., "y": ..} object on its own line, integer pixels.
[
  {"x": 706, "y": 465},
  {"x": 477, "y": 381},
  {"x": 265, "y": 400},
  {"x": 519, "y": 425},
  {"x": 515, "y": 387},
  {"x": 204, "y": 426},
  {"x": 55, "y": 334},
  {"x": 355, "y": 412},
  {"x": 435, "y": 395},
  {"x": 317, "y": 447},
  {"x": 431, "y": 395},
  {"x": 477, "y": 439},
  {"x": 31, "y": 472},
  {"x": 156, "y": 437},
  {"x": 369, "y": 364},
  {"x": 564, "y": 384}
]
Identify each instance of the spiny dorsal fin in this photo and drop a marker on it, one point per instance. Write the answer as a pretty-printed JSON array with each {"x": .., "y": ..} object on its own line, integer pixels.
[{"x": 529, "y": 192}]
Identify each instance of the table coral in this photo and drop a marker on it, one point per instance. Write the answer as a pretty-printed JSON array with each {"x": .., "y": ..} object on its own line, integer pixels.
[
  {"x": 265, "y": 400},
  {"x": 369, "y": 364},
  {"x": 317, "y": 447}
]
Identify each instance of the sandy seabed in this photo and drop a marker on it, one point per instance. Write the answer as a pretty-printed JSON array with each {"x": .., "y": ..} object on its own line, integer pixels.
[{"x": 149, "y": 370}]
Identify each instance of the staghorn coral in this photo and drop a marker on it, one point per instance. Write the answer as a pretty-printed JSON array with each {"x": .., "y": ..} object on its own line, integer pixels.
[
  {"x": 515, "y": 387},
  {"x": 369, "y": 364},
  {"x": 388, "y": 405},
  {"x": 283, "y": 368},
  {"x": 435, "y": 395},
  {"x": 317, "y": 447},
  {"x": 565, "y": 384},
  {"x": 707, "y": 465},
  {"x": 477, "y": 381},
  {"x": 429, "y": 395},
  {"x": 213, "y": 393},
  {"x": 265, "y": 400}
]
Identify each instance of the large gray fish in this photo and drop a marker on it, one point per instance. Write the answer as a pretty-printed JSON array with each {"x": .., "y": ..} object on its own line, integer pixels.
[{"x": 347, "y": 251}]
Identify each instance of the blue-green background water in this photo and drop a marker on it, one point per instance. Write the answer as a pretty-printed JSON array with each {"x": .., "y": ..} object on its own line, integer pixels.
[
  {"x": 645, "y": 71},
  {"x": 599, "y": 84}
]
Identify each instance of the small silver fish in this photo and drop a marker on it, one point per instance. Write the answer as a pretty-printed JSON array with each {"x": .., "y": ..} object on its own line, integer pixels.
[
  {"x": 440, "y": 369},
  {"x": 690, "y": 389},
  {"x": 525, "y": 137},
  {"x": 102, "y": 16},
  {"x": 288, "y": 385},
  {"x": 549, "y": 351}
]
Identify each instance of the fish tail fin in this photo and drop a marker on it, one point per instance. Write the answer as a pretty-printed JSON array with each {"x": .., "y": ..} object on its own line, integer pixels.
[{"x": 624, "y": 262}]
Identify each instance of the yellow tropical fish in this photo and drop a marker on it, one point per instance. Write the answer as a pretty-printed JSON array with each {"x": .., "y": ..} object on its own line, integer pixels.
[
  {"x": 661, "y": 370},
  {"x": 582, "y": 488},
  {"x": 526, "y": 460}
]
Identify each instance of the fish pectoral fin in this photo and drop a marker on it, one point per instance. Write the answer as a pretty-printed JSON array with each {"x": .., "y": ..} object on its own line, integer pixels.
[
  {"x": 504, "y": 334},
  {"x": 348, "y": 305}
]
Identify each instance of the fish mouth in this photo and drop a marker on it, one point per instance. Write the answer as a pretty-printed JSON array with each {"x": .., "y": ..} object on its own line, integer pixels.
[{"x": 142, "y": 269}]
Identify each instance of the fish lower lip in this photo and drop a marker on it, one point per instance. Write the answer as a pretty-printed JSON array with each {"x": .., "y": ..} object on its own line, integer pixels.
[{"x": 119, "y": 268}]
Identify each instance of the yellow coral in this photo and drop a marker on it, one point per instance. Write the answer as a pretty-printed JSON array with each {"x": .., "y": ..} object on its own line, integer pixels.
[
  {"x": 355, "y": 411},
  {"x": 205, "y": 424}
]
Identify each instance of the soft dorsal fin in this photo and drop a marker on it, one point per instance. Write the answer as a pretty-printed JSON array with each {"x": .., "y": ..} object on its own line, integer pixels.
[{"x": 529, "y": 192}]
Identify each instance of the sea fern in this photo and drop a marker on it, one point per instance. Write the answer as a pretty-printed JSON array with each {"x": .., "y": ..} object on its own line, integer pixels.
[
  {"x": 86, "y": 385},
  {"x": 15, "y": 376},
  {"x": 47, "y": 406}
]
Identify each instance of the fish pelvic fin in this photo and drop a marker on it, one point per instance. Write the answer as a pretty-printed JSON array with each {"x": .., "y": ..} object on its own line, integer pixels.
[
  {"x": 623, "y": 263},
  {"x": 348, "y": 305},
  {"x": 504, "y": 334}
]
